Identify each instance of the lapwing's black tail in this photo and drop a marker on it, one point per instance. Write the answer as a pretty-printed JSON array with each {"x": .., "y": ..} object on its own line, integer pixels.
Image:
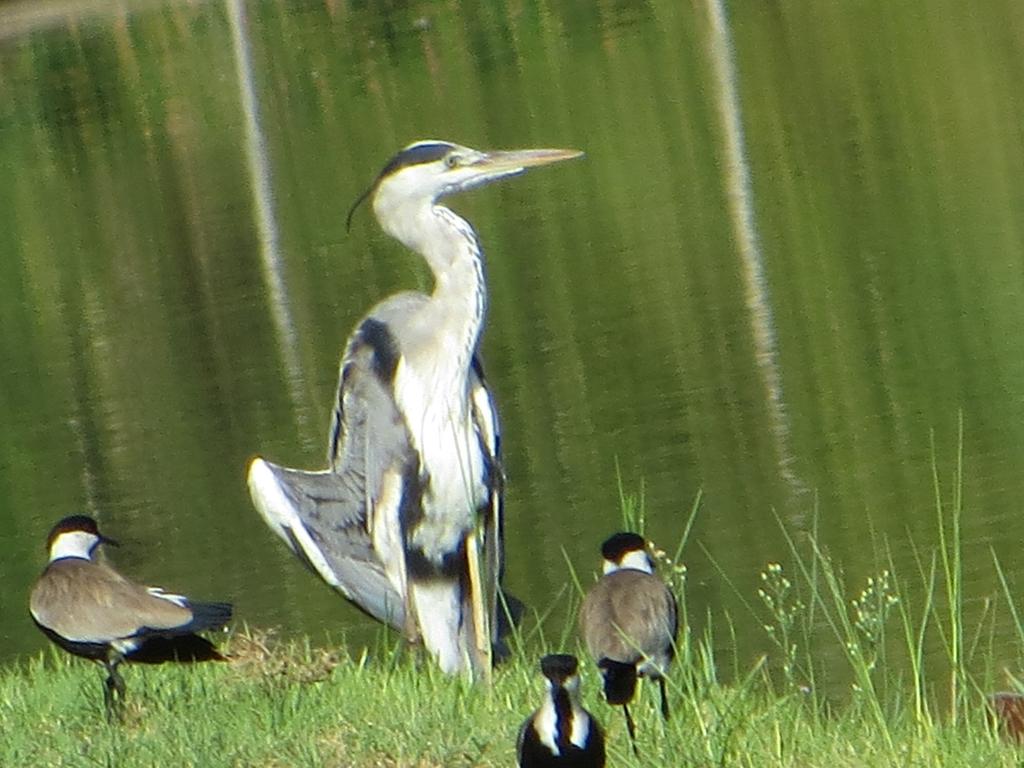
[
  {"x": 619, "y": 681},
  {"x": 183, "y": 648},
  {"x": 182, "y": 643},
  {"x": 209, "y": 615}
]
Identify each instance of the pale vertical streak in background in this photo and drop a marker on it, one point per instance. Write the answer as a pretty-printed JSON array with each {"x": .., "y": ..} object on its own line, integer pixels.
[
  {"x": 741, "y": 212},
  {"x": 263, "y": 201}
]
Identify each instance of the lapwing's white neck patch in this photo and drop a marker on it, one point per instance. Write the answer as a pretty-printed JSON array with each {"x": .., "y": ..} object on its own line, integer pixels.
[
  {"x": 580, "y": 726},
  {"x": 74, "y": 544},
  {"x": 546, "y": 723},
  {"x": 637, "y": 559}
]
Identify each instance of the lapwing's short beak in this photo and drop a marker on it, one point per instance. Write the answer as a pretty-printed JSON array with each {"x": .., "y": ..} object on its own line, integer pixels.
[{"x": 109, "y": 541}]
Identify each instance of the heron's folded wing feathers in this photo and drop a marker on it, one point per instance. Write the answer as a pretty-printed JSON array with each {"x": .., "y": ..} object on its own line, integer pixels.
[
  {"x": 315, "y": 514},
  {"x": 327, "y": 517}
]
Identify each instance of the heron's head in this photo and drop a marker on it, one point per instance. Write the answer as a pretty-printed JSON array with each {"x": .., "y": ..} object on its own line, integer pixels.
[{"x": 426, "y": 171}]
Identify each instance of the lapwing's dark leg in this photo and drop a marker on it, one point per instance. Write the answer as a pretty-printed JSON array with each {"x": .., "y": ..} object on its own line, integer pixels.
[
  {"x": 664, "y": 697},
  {"x": 113, "y": 691},
  {"x": 631, "y": 728}
]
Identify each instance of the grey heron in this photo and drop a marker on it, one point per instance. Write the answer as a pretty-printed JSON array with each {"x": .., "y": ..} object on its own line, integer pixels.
[
  {"x": 629, "y": 621},
  {"x": 407, "y": 521},
  {"x": 91, "y": 610},
  {"x": 561, "y": 733}
]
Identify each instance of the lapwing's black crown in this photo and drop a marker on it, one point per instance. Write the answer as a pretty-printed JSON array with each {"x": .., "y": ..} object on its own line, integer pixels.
[
  {"x": 618, "y": 546},
  {"x": 82, "y": 523},
  {"x": 559, "y": 667}
]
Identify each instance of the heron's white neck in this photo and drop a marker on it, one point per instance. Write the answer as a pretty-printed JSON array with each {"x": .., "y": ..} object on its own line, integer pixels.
[{"x": 451, "y": 248}]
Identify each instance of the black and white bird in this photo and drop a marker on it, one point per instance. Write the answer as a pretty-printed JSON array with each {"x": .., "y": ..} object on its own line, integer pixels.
[
  {"x": 629, "y": 621},
  {"x": 406, "y": 521},
  {"x": 561, "y": 734},
  {"x": 91, "y": 610}
]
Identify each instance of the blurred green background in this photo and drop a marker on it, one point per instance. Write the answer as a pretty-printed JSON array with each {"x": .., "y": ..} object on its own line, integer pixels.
[{"x": 153, "y": 339}]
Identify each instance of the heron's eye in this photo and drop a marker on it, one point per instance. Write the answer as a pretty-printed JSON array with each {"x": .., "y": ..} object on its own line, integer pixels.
[{"x": 452, "y": 161}]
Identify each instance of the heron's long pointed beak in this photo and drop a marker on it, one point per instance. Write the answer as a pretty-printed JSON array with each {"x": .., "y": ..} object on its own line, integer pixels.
[{"x": 518, "y": 160}]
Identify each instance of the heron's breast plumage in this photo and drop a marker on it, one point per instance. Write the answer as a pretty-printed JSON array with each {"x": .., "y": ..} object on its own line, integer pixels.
[
  {"x": 444, "y": 435},
  {"x": 436, "y": 338}
]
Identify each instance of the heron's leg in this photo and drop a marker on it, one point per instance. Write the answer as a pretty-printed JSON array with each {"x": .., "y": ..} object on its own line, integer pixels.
[
  {"x": 630, "y": 728},
  {"x": 664, "y": 698},
  {"x": 412, "y": 622},
  {"x": 481, "y": 621},
  {"x": 411, "y": 630}
]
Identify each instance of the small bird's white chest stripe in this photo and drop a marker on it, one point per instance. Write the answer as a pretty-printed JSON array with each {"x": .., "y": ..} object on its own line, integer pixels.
[
  {"x": 580, "y": 727},
  {"x": 546, "y": 725}
]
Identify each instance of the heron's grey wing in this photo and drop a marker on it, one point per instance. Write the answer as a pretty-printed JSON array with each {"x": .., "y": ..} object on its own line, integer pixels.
[
  {"x": 338, "y": 520},
  {"x": 368, "y": 434},
  {"x": 316, "y": 515}
]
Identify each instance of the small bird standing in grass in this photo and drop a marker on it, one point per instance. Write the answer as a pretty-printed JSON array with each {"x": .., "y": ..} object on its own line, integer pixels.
[
  {"x": 629, "y": 620},
  {"x": 561, "y": 734},
  {"x": 90, "y": 610}
]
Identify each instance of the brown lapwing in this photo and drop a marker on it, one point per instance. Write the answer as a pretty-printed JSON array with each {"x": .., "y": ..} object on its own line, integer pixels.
[
  {"x": 90, "y": 610},
  {"x": 629, "y": 620},
  {"x": 561, "y": 734}
]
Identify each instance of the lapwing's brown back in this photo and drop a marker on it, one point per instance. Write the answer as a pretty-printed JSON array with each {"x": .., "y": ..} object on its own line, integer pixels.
[
  {"x": 87, "y": 602},
  {"x": 627, "y": 615}
]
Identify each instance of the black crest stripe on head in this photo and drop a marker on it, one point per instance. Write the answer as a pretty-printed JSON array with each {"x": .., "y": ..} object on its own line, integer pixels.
[{"x": 417, "y": 154}]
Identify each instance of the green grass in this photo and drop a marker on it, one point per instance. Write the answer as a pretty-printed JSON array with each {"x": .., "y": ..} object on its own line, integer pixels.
[
  {"x": 294, "y": 705},
  {"x": 867, "y": 676},
  {"x": 291, "y": 704}
]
